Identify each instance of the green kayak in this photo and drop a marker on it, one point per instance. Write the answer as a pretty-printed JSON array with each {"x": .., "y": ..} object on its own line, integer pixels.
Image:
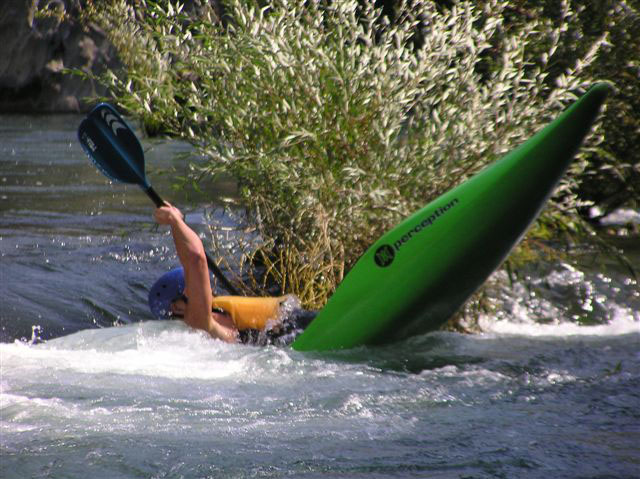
[{"x": 416, "y": 276}]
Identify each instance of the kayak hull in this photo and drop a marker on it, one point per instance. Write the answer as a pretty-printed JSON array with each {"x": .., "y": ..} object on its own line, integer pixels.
[{"x": 416, "y": 276}]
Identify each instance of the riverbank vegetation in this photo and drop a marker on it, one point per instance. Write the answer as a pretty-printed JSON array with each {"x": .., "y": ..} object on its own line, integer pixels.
[{"x": 338, "y": 119}]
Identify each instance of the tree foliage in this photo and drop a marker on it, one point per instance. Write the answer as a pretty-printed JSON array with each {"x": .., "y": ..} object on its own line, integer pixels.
[{"x": 337, "y": 119}]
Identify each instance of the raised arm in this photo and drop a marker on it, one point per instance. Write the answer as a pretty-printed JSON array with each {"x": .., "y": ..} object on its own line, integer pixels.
[{"x": 196, "y": 274}]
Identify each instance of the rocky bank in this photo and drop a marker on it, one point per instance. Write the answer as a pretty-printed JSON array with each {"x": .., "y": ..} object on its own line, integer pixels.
[
  {"x": 36, "y": 47},
  {"x": 39, "y": 39}
]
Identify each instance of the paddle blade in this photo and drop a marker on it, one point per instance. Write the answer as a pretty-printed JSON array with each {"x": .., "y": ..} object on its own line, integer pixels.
[{"x": 112, "y": 146}]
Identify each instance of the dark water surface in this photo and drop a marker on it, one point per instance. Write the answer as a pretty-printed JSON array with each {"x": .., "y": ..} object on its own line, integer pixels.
[
  {"x": 550, "y": 389},
  {"x": 76, "y": 251}
]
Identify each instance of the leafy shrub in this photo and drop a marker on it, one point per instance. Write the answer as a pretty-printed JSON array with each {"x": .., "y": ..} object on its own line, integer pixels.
[
  {"x": 335, "y": 121},
  {"x": 612, "y": 176}
]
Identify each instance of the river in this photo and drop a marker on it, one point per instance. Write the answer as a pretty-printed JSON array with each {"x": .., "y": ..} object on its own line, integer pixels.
[{"x": 91, "y": 387}]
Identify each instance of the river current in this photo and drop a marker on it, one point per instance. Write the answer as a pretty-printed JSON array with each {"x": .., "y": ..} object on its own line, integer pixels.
[{"x": 90, "y": 386}]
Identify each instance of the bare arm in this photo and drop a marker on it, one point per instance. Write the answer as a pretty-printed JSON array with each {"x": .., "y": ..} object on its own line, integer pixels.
[{"x": 196, "y": 275}]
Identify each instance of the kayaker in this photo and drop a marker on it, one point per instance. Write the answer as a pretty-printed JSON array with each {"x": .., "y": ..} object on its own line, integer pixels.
[{"x": 186, "y": 293}]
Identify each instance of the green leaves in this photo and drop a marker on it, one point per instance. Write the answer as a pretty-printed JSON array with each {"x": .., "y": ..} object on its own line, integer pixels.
[{"x": 336, "y": 120}]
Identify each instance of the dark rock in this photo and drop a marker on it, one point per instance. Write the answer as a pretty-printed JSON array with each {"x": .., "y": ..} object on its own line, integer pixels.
[{"x": 36, "y": 48}]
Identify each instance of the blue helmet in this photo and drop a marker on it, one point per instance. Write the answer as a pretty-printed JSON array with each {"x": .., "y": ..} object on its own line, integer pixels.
[{"x": 167, "y": 289}]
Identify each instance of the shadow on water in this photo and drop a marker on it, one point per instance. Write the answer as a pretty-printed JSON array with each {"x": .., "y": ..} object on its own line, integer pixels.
[{"x": 412, "y": 356}]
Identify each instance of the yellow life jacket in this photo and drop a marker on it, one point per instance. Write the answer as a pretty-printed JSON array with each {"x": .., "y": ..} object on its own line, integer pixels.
[{"x": 250, "y": 313}]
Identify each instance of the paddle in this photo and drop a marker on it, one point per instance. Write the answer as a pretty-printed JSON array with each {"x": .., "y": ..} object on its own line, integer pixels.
[{"x": 115, "y": 150}]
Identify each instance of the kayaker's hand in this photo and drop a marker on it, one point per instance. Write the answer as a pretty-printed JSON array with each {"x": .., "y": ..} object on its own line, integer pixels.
[{"x": 167, "y": 215}]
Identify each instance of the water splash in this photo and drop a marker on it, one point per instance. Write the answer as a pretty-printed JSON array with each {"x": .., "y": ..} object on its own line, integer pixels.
[{"x": 563, "y": 300}]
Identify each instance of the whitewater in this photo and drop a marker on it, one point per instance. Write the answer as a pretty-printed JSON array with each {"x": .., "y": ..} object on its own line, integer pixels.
[{"x": 90, "y": 387}]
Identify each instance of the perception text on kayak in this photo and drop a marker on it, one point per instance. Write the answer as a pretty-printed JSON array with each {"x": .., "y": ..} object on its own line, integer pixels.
[{"x": 385, "y": 254}]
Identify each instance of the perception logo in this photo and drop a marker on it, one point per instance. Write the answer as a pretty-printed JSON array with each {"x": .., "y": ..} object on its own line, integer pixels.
[{"x": 386, "y": 253}]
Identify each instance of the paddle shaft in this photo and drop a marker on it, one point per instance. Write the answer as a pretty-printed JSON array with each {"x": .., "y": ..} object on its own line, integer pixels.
[{"x": 155, "y": 197}]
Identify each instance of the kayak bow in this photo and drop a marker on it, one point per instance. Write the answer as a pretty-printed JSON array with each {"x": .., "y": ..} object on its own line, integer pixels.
[{"x": 416, "y": 276}]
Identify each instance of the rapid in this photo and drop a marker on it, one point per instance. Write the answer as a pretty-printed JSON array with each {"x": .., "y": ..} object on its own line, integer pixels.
[{"x": 90, "y": 386}]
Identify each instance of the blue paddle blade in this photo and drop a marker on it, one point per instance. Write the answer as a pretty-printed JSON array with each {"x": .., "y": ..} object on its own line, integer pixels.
[{"x": 112, "y": 146}]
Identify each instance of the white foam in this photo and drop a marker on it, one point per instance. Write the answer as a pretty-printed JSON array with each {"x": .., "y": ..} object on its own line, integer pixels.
[
  {"x": 168, "y": 350},
  {"x": 624, "y": 321},
  {"x": 621, "y": 217}
]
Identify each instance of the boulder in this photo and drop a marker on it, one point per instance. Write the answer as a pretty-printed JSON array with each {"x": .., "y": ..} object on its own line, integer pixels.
[{"x": 35, "y": 49}]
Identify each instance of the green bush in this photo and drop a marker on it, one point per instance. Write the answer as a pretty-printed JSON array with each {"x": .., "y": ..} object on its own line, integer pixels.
[
  {"x": 612, "y": 177},
  {"x": 335, "y": 121}
]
